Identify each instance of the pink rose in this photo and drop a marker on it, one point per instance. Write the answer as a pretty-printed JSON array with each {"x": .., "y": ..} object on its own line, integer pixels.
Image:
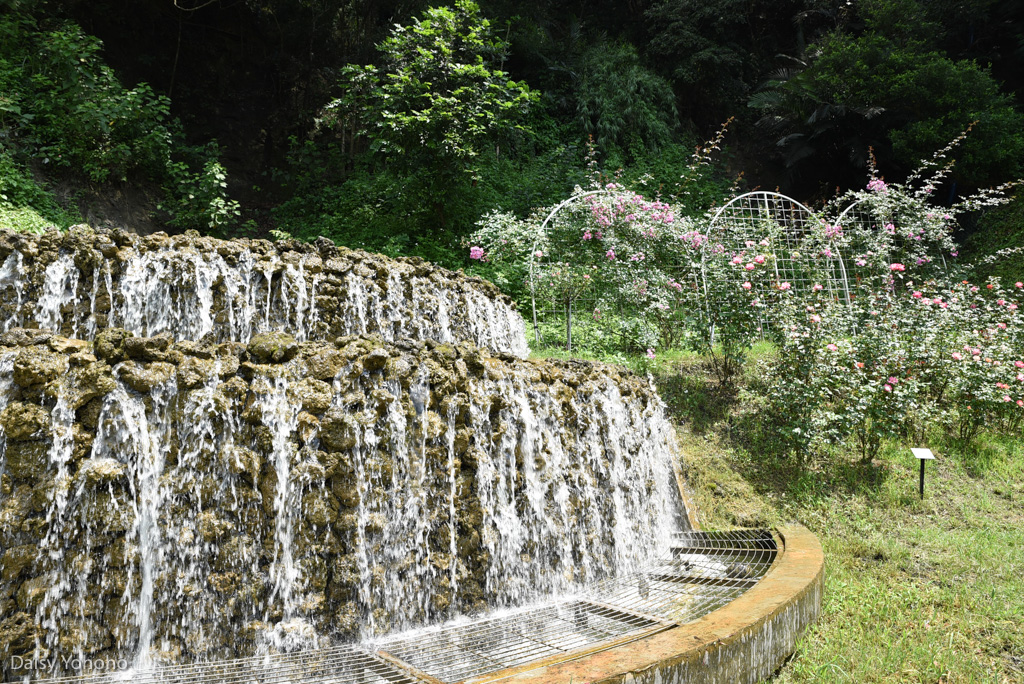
[
  {"x": 897, "y": 267},
  {"x": 476, "y": 253},
  {"x": 759, "y": 259},
  {"x": 832, "y": 347},
  {"x": 887, "y": 388},
  {"x": 784, "y": 286},
  {"x": 746, "y": 286}
]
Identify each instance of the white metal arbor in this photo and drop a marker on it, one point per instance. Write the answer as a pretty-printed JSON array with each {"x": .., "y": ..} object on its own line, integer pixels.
[
  {"x": 549, "y": 253},
  {"x": 787, "y": 226},
  {"x": 862, "y": 215},
  {"x": 797, "y": 243}
]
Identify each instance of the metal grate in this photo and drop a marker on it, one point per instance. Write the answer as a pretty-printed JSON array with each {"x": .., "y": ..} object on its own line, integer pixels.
[
  {"x": 455, "y": 653},
  {"x": 701, "y": 571},
  {"x": 344, "y": 664}
]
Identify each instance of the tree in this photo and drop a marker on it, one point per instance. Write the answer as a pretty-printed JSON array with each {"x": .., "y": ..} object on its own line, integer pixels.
[
  {"x": 890, "y": 88},
  {"x": 435, "y": 99}
]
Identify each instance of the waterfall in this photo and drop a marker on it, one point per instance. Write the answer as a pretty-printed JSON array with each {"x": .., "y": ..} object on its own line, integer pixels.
[
  {"x": 258, "y": 458},
  {"x": 191, "y": 287},
  {"x": 10, "y": 279},
  {"x": 59, "y": 289},
  {"x": 280, "y": 414}
]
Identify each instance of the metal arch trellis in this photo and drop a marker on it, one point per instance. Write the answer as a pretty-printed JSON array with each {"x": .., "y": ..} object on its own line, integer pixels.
[
  {"x": 858, "y": 213},
  {"x": 755, "y": 217},
  {"x": 743, "y": 221},
  {"x": 534, "y": 259}
]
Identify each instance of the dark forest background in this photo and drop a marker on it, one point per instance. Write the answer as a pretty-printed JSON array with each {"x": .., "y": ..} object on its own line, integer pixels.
[{"x": 246, "y": 118}]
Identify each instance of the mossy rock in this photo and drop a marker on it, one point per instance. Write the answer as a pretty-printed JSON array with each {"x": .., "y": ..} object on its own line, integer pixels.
[
  {"x": 243, "y": 461},
  {"x": 23, "y": 421},
  {"x": 31, "y": 593},
  {"x": 272, "y": 347},
  {"x": 324, "y": 363},
  {"x": 27, "y": 460},
  {"x": 195, "y": 372},
  {"x": 109, "y": 344},
  {"x": 319, "y": 507},
  {"x": 18, "y": 634},
  {"x": 314, "y": 395},
  {"x": 37, "y": 366},
  {"x": 144, "y": 377},
  {"x": 83, "y": 635},
  {"x": 339, "y": 430},
  {"x": 89, "y": 381},
  {"x": 100, "y": 472},
  {"x": 375, "y": 360},
  {"x": 65, "y": 345},
  {"x": 16, "y": 559}
]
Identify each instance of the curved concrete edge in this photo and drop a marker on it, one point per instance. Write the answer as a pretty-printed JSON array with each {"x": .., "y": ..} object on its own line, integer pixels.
[{"x": 745, "y": 641}]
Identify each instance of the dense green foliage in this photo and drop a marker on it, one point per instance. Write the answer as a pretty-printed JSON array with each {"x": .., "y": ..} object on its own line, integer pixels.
[
  {"x": 898, "y": 96},
  {"x": 395, "y": 125},
  {"x": 64, "y": 115}
]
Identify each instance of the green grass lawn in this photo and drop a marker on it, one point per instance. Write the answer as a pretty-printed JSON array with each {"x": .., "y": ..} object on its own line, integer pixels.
[{"x": 915, "y": 591}]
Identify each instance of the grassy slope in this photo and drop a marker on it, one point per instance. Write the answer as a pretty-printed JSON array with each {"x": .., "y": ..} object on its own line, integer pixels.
[{"x": 916, "y": 591}]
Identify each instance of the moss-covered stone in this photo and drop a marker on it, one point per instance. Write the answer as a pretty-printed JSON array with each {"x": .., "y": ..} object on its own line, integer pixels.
[
  {"x": 31, "y": 593},
  {"x": 314, "y": 395},
  {"x": 100, "y": 472},
  {"x": 194, "y": 372},
  {"x": 144, "y": 377},
  {"x": 17, "y": 559},
  {"x": 272, "y": 347},
  {"x": 65, "y": 345},
  {"x": 37, "y": 366},
  {"x": 324, "y": 363},
  {"x": 339, "y": 430},
  {"x": 109, "y": 344},
  {"x": 27, "y": 460},
  {"x": 89, "y": 381},
  {"x": 18, "y": 634},
  {"x": 22, "y": 421}
]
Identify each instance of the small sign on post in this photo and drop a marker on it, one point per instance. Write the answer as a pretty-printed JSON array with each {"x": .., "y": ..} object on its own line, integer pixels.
[{"x": 923, "y": 455}]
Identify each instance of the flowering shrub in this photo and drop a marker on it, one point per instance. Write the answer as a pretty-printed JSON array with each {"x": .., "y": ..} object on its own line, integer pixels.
[
  {"x": 917, "y": 346},
  {"x": 904, "y": 344},
  {"x": 611, "y": 251},
  {"x": 926, "y": 354}
]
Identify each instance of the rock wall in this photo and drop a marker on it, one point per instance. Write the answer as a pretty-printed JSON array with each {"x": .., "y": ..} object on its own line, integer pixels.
[
  {"x": 82, "y": 281},
  {"x": 204, "y": 499}
]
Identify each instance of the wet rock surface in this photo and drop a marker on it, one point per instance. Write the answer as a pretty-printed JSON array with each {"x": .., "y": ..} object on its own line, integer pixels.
[
  {"x": 79, "y": 283},
  {"x": 190, "y": 497}
]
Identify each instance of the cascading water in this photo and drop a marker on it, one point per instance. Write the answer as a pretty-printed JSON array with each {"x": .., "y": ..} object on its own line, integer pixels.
[
  {"x": 201, "y": 499},
  {"x": 59, "y": 290},
  {"x": 191, "y": 287}
]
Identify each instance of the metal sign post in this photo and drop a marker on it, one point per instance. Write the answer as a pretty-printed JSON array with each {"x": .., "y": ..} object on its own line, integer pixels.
[{"x": 923, "y": 455}]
